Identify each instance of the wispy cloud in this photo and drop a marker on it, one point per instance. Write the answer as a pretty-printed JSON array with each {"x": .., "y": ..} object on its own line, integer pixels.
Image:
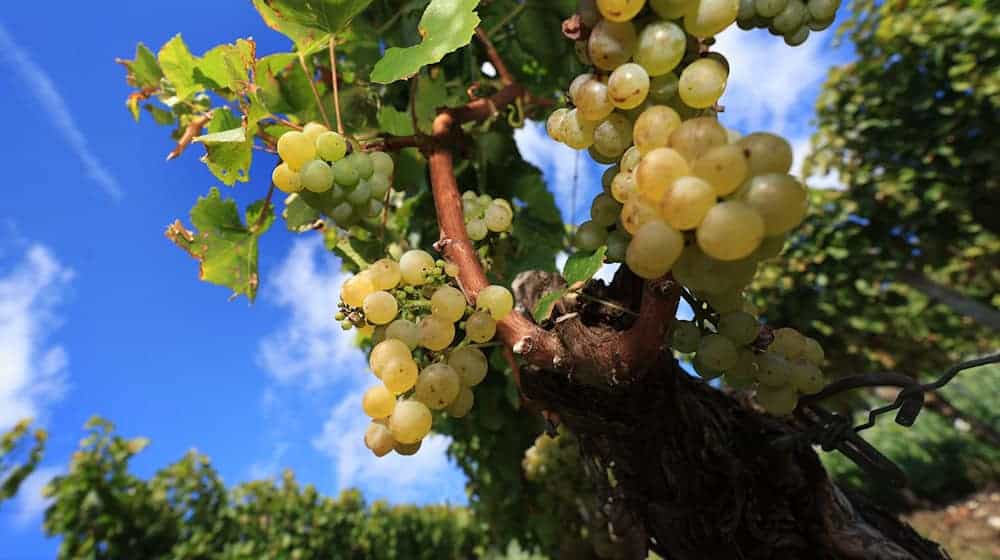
[
  {"x": 39, "y": 82},
  {"x": 32, "y": 371}
]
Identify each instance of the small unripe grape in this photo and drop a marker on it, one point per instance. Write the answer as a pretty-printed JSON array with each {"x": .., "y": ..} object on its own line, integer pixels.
[
  {"x": 653, "y": 250},
  {"x": 617, "y": 246},
  {"x": 660, "y": 47},
  {"x": 717, "y": 352},
  {"x": 448, "y": 303},
  {"x": 806, "y": 377},
  {"x": 436, "y": 333},
  {"x": 724, "y": 167},
  {"x": 623, "y": 187},
  {"x": 378, "y": 402},
  {"x": 613, "y": 135},
  {"x": 386, "y": 351},
  {"x": 496, "y": 300},
  {"x": 687, "y": 201},
  {"x": 653, "y": 128},
  {"x": 414, "y": 266},
  {"x": 378, "y": 438},
  {"x": 285, "y": 179},
  {"x": 345, "y": 174},
  {"x": 355, "y": 289},
  {"x": 382, "y": 164},
  {"x": 780, "y": 199},
  {"x": 637, "y": 212},
  {"x": 779, "y": 401},
  {"x": 772, "y": 369},
  {"x": 498, "y": 216},
  {"x": 628, "y": 86},
  {"x": 695, "y": 137},
  {"x": 384, "y": 273},
  {"x": 657, "y": 170},
  {"x": 480, "y": 327},
  {"x": 709, "y": 17},
  {"x": 411, "y": 421},
  {"x": 553, "y": 125},
  {"x": 702, "y": 83},
  {"x": 611, "y": 44},
  {"x": 662, "y": 89},
  {"x": 477, "y": 230},
  {"x": 575, "y": 131},
  {"x": 380, "y": 307},
  {"x": 316, "y": 176},
  {"x": 437, "y": 386},
  {"x": 589, "y": 236},
  {"x": 331, "y": 146},
  {"x": 620, "y": 10},
  {"x": 399, "y": 374},
  {"x": 685, "y": 336},
  {"x": 471, "y": 365},
  {"x": 295, "y": 149},
  {"x": 672, "y": 9},
  {"x": 604, "y": 210},
  {"x": 313, "y": 130},
  {"x": 362, "y": 164},
  {"x": 766, "y": 153},
  {"x": 462, "y": 404},
  {"x": 592, "y": 100},
  {"x": 740, "y": 327},
  {"x": 730, "y": 230}
]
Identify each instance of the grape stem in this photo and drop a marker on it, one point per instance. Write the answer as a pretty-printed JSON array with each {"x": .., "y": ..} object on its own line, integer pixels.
[
  {"x": 334, "y": 80},
  {"x": 315, "y": 92}
]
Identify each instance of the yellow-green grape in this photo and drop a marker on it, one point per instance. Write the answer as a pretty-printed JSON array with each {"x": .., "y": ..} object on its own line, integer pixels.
[
  {"x": 437, "y": 386},
  {"x": 613, "y": 135},
  {"x": 779, "y": 401},
  {"x": 653, "y": 249},
  {"x": 448, "y": 303},
  {"x": 620, "y": 10},
  {"x": 399, "y": 374},
  {"x": 662, "y": 89},
  {"x": 687, "y": 201},
  {"x": 703, "y": 369},
  {"x": 384, "y": 273},
  {"x": 592, "y": 100},
  {"x": 576, "y": 131},
  {"x": 382, "y": 164},
  {"x": 345, "y": 174},
  {"x": 604, "y": 210},
  {"x": 769, "y": 8},
  {"x": 360, "y": 195},
  {"x": 477, "y": 230},
  {"x": 717, "y": 352},
  {"x": 813, "y": 352},
  {"x": 611, "y": 44},
  {"x": 589, "y": 236},
  {"x": 660, "y": 47},
  {"x": 406, "y": 449},
  {"x": 780, "y": 199},
  {"x": 628, "y": 86},
  {"x": 414, "y": 266},
  {"x": 630, "y": 159},
  {"x": 577, "y": 83},
  {"x": 410, "y": 422},
  {"x": 724, "y": 167},
  {"x": 791, "y": 18},
  {"x": 739, "y": 327},
  {"x": 316, "y": 176},
  {"x": 378, "y": 402},
  {"x": 380, "y": 307},
  {"x": 313, "y": 130},
  {"x": 623, "y": 186},
  {"x": 295, "y": 149},
  {"x": 386, "y": 351},
  {"x": 788, "y": 342},
  {"x": 797, "y": 37},
  {"x": 405, "y": 331},
  {"x": 378, "y": 438},
  {"x": 285, "y": 179},
  {"x": 685, "y": 336},
  {"x": 480, "y": 327},
  {"x": 496, "y": 300},
  {"x": 822, "y": 10},
  {"x": 471, "y": 365},
  {"x": 702, "y": 83},
  {"x": 672, "y": 9},
  {"x": 709, "y": 17},
  {"x": 657, "y": 170},
  {"x": 806, "y": 377},
  {"x": 436, "y": 333},
  {"x": 772, "y": 369},
  {"x": 636, "y": 213},
  {"x": 362, "y": 164},
  {"x": 462, "y": 403},
  {"x": 355, "y": 289},
  {"x": 499, "y": 216},
  {"x": 695, "y": 137},
  {"x": 653, "y": 128},
  {"x": 766, "y": 153},
  {"x": 730, "y": 230},
  {"x": 342, "y": 213},
  {"x": 331, "y": 146},
  {"x": 553, "y": 125}
]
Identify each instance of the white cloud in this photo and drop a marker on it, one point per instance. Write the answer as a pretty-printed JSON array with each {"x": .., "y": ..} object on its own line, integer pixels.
[
  {"x": 271, "y": 466},
  {"x": 32, "y": 372},
  {"x": 52, "y": 102},
  {"x": 30, "y": 503}
]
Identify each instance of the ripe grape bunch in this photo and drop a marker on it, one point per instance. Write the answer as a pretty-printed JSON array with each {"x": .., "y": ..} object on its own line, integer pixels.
[
  {"x": 316, "y": 160},
  {"x": 425, "y": 339}
]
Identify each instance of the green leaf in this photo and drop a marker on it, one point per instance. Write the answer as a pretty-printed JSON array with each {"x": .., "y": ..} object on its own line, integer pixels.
[
  {"x": 543, "y": 309},
  {"x": 144, "y": 71},
  {"x": 229, "y": 149},
  {"x": 309, "y": 23},
  {"x": 225, "y": 247},
  {"x": 179, "y": 66},
  {"x": 271, "y": 73},
  {"x": 446, "y": 25},
  {"x": 299, "y": 216},
  {"x": 582, "y": 266},
  {"x": 224, "y": 69},
  {"x": 393, "y": 121},
  {"x": 160, "y": 115}
]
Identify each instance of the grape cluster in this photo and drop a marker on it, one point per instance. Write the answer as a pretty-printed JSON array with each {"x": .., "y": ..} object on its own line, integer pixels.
[
  {"x": 415, "y": 313},
  {"x": 791, "y": 19},
  {"x": 485, "y": 215},
  {"x": 317, "y": 160}
]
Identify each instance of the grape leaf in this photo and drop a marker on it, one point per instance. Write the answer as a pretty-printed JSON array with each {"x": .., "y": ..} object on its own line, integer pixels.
[
  {"x": 446, "y": 25},
  {"x": 225, "y": 247},
  {"x": 228, "y": 148},
  {"x": 582, "y": 266},
  {"x": 543, "y": 309},
  {"x": 393, "y": 121},
  {"x": 224, "y": 69},
  {"x": 143, "y": 71},
  {"x": 299, "y": 216},
  {"x": 309, "y": 23}
]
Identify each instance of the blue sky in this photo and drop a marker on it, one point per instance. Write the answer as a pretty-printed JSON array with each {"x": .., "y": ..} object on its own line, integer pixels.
[{"x": 100, "y": 314}]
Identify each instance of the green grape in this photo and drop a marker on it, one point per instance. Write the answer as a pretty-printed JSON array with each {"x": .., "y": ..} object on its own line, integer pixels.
[
  {"x": 742, "y": 375},
  {"x": 480, "y": 327},
  {"x": 360, "y": 195},
  {"x": 477, "y": 229},
  {"x": 695, "y": 137},
  {"x": 687, "y": 201},
  {"x": 499, "y": 216},
  {"x": 316, "y": 176},
  {"x": 672, "y": 9},
  {"x": 806, "y": 377},
  {"x": 617, "y": 243},
  {"x": 709, "y": 17},
  {"x": 553, "y": 125},
  {"x": 471, "y": 365},
  {"x": 342, "y": 213},
  {"x": 386, "y": 351},
  {"x": 436, "y": 333},
  {"x": 660, "y": 47},
  {"x": 739, "y": 327},
  {"x": 769, "y": 8},
  {"x": 337, "y": 193},
  {"x": 380, "y": 307},
  {"x": 702, "y": 83},
  {"x": 812, "y": 352},
  {"x": 703, "y": 369},
  {"x": 653, "y": 249},
  {"x": 496, "y": 300},
  {"x": 730, "y": 231},
  {"x": 724, "y": 167},
  {"x": 600, "y": 158},
  {"x": 797, "y": 37},
  {"x": 772, "y": 369},
  {"x": 362, "y": 164},
  {"x": 657, "y": 170},
  {"x": 437, "y": 386},
  {"x": 822, "y": 10},
  {"x": 378, "y": 438},
  {"x": 414, "y": 266},
  {"x": 331, "y": 146},
  {"x": 345, "y": 174},
  {"x": 295, "y": 149},
  {"x": 462, "y": 404},
  {"x": 608, "y": 176},
  {"x": 378, "y": 402},
  {"x": 382, "y": 164},
  {"x": 285, "y": 179},
  {"x": 636, "y": 213},
  {"x": 780, "y": 199},
  {"x": 374, "y": 208},
  {"x": 410, "y": 422},
  {"x": 628, "y": 86},
  {"x": 620, "y": 10},
  {"x": 613, "y": 135},
  {"x": 399, "y": 374},
  {"x": 623, "y": 186},
  {"x": 448, "y": 303},
  {"x": 313, "y": 130},
  {"x": 577, "y": 132},
  {"x": 769, "y": 248},
  {"x": 604, "y": 210},
  {"x": 717, "y": 352},
  {"x": 592, "y": 100},
  {"x": 791, "y": 18},
  {"x": 789, "y": 343},
  {"x": 766, "y": 153},
  {"x": 819, "y": 24},
  {"x": 630, "y": 159},
  {"x": 405, "y": 331},
  {"x": 685, "y": 336},
  {"x": 355, "y": 289},
  {"x": 611, "y": 44},
  {"x": 653, "y": 128},
  {"x": 378, "y": 185},
  {"x": 589, "y": 236},
  {"x": 746, "y": 11},
  {"x": 777, "y": 401},
  {"x": 663, "y": 88}
]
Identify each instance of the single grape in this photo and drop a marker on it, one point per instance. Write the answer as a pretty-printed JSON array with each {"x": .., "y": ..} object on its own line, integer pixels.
[
  {"x": 576, "y": 131},
  {"x": 617, "y": 243},
  {"x": 772, "y": 369},
  {"x": 496, "y": 300},
  {"x": 316, "y": 176},
  {"x": 607, "y": 176},
  {"x": 477, "y": 229},
  {"x": 653, "y": 128},
  {"x": 577, "y": 83},
  {"x": 620, "y": 10},
  {"x": 378, "y": 402},
  {"x": 657, "y": 170},
  {"x": 730, "y": 231},
  {"x": 821, "y": 10},
  {"x": 653, "y": 249},
  {"x": 662, "y": 89},
  {"x": 813, "y": 352},
  {"x": 343, "y": 214},
  {"x": 819, "y": 24},
  {"x": 628, "y": 86},
  {"x": 769, "y": 8},
  {"x": 806, "y": 377},
  {"x": 410, "y": 422},
  {"x": 791, "y": 18},
  {"x": 382, "y": 164},
  {"x": 611, "y": 44},
  {"x": 709, "y": 17},
  {"x": 471, "y": 365},
  {"x": 780, "y": 199},
  {"x": 637, "y": 212},
  {"x": 623, "y": 187},
  {"x": 687, "y": 201},
  {"x": 361, "y": 194},
  {"x": 355, "y": 289},
  {"x": 331, "y": 146},
  {"x": 448, "y": 303},
  {"x": 672, "y": 9},
  {"x": 313, "y": 130},
  {"x": 295, "y": 149},
  {"x": 702, "y": 83},
  {"x": 436, "y": 333},
  {"x": 345, "y": 174},
  {"x": 362, "y": 164},
  {"x": 630, "y": 159},
  {"x": 407, "y": 449},
  {"x": 480, "y": 327},
  {"x": 385, "y": 351},
  {"x": 437, "y": 386},
  {"x": 399, "y": 374},
  {"x": 742, "y": 375},
  {"x": 600, "y": 158},
  {"x": 553, "y": 125},
  {"x": 380, "y": 307},
  {"x": 499, "y": 216},
  {"x": 703, "y": 369},
  {"x": 797, "y": 37},
  {"x": 589, "y": 236},
  {"x": 766, "y": 153},
  {"x": 717, "y": 352},
  {"x": 695, "y": 137},
  {"x": 788, "y": 342},
  {"x": 660, "y": 47},
  {"x": 378, "y": 438},
  {"x": 592, "y": 100},
  {"x": 746, "y": 11},
  {"x": 462, "y": 404},
  {"x": 722, "y": 166},
  {"x": 414, "y": 266},
  {"x": 739, "y": 327},
  {"x": 285, "y": 179},
  {"x": 604, "y": 210},
  {"x": 779, "y": 401},
  {"x": 685, "y": 336},
  {"x": 613, "y": 135}
]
